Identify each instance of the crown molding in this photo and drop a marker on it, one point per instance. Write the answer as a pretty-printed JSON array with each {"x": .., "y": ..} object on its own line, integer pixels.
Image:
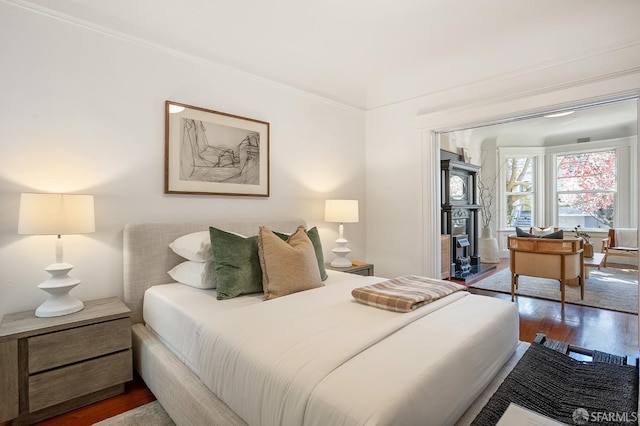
[
  {"x": 483, "y": 100},
  {"x": 521, "y": 74},
  {"x": 469, "y": 87},
  {"x": 109, "y": 32}
]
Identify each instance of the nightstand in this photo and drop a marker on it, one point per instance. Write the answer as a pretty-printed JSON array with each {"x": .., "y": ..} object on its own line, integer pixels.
[
  {"x": 358, "y": 268},
  {"x": 52, "y": 365}
]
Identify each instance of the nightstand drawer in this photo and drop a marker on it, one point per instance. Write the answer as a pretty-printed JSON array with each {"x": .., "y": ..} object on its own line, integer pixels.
[
  {"x": 357, "y": 268},
  {"x": 60, "y": 348},
  {"x": 366, "y": 272},
  {"x": 63, "y": 384}
]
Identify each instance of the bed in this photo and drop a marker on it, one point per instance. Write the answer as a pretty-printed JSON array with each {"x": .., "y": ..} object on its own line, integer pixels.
[{"x": 315, "y": 357}]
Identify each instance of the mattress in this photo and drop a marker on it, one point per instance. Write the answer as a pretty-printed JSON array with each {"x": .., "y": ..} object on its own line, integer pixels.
[
  {"x": 426, "y": 373},
  {"x": 318, "y": 357},
  {"x": 175, "y": 313}
]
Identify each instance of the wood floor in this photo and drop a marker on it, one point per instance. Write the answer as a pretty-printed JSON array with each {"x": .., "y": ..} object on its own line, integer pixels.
[
  {"x": 136, "y": 394},
  {"x": 591, "y": 328}
]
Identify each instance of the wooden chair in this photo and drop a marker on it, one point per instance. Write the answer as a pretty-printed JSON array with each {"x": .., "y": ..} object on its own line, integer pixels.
[
  {"x": 620, "y": 242},
  {"x": 562, "y": 260}
]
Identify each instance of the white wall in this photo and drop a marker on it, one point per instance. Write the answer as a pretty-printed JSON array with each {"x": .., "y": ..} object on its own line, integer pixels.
[
  {"x": 83, "y": 112},
  {"x": 402, "y": 177}
]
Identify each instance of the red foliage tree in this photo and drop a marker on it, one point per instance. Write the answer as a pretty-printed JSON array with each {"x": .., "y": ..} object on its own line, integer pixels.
[{"x": 587, "y": 182}]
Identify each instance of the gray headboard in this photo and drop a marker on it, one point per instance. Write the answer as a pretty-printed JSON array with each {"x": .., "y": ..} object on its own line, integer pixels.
[{"x": 147, "y": 256}]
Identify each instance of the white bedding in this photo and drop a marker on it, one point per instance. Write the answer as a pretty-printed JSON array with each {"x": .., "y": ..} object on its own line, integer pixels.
[
  {"x": 176, "y": 311},
  {"x": 443, "y": 365},
  {"x": 318, "y": 357}
]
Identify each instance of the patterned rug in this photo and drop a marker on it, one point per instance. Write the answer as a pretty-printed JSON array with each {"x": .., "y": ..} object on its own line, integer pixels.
[{"x": 608, "y": 288}]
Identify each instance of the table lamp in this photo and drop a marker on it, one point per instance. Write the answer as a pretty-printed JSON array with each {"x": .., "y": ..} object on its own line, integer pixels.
[
  {"x": 341, "y": 211},
  {"x": 57, "y": 214}
]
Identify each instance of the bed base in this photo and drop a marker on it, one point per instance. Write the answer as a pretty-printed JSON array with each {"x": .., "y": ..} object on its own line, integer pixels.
[
  {"x": 189, "y": 402},
  {"x": 180, "y": 392}
]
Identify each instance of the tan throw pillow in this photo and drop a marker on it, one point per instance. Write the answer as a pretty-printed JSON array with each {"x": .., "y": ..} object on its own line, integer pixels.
[{"x": 287, "y": 266}]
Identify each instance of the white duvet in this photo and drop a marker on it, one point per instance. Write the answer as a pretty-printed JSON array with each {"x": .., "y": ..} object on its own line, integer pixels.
[{"x": 320, "y": 358}]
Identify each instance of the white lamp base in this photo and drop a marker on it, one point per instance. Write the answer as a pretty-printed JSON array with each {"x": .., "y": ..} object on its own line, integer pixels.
[
  {"x": 58, "y": 286},
  {"x": 341, "y": 252}
]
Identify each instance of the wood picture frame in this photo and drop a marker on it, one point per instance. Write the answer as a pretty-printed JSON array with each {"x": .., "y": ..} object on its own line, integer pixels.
[{"x": 214, "y": 153}]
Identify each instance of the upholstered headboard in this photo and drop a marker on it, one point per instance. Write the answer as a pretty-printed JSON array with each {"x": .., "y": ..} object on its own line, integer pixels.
[{"x": 147, "y": 256}]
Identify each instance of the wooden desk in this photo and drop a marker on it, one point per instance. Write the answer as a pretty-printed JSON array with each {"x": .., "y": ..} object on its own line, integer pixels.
[{"x": 547, "y": 258}]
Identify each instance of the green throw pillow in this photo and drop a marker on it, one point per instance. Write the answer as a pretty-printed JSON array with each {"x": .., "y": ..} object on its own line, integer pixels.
[
  {"x": 237, "y": 264},
  {"x": 314, "y": 236}
]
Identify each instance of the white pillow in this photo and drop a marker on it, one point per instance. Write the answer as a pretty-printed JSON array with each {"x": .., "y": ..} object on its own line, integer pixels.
[
  {"x": 195, "y": 274},
  {"x": 195, "y": 247},
  {"x": 539, "y": 232}
]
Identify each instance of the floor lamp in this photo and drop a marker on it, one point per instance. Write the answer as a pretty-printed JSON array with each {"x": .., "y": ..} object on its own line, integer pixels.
[
  {"x": 341, "y": 211},
  {"x": 57, "y": 214}
]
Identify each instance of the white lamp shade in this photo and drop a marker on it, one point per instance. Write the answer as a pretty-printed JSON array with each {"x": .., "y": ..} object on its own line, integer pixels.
[
  {"x": 56, "y": 214},
  {"x": 342, "y": 211}
]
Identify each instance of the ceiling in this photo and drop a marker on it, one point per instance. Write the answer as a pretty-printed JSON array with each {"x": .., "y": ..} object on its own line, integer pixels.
[
  {"x": 600, "y": 122},
  {"x": 365, "y": 53}
]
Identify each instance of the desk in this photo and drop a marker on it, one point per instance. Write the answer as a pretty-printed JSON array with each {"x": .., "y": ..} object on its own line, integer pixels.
[
  {"x": 558, "y": 259},
  {"x": 593, "y": 262}
]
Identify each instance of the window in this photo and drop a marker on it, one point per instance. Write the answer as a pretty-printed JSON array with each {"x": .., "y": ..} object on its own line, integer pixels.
[
  {"x": 519, "y": 191},
  {"x": 586, "y": 189}
]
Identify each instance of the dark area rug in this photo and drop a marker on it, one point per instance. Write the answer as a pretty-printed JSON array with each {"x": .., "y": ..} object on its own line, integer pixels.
[{"x": 567, "y": 390}]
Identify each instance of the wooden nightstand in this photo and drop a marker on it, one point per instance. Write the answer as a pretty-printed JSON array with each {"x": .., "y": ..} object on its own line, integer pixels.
[
  {"x": 52, "y": 365},
  {"x": 358, "y": 268}
]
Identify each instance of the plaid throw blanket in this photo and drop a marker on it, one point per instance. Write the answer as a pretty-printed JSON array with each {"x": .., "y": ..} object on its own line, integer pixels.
[{"x": 406, "y": 293}]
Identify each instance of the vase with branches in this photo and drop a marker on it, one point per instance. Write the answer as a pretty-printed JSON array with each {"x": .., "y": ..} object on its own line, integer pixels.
[
  {"x": 487, "y": 195},
  {"x": 588, "y": 247},
  {"x": 488, "y": 245},
  {"x": 582, "y": 234}
]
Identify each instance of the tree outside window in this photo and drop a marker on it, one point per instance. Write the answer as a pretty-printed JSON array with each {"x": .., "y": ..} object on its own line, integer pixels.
[
  {"x": 519, "y": 174},
  {"x": 586, "y": 188}
]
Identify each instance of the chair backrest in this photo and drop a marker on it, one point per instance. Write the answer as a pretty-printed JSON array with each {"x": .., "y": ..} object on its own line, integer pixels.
[
  {"x": 623, "y": 237},
  {"x": 611, "y": 235}
]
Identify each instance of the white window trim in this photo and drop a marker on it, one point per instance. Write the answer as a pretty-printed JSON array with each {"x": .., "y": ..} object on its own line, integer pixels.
[
  {"x": 624, "y": 213},
  {"x": 538, "y": 205},
  {"x": 545, "y": 193}
]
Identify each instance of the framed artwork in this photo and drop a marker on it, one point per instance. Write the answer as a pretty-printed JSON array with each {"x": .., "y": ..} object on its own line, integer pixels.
[{"x": 211, "y": 152}]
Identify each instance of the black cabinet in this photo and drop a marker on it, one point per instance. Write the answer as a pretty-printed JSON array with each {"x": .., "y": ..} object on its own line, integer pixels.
[{"x": 460, "y": 212}]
